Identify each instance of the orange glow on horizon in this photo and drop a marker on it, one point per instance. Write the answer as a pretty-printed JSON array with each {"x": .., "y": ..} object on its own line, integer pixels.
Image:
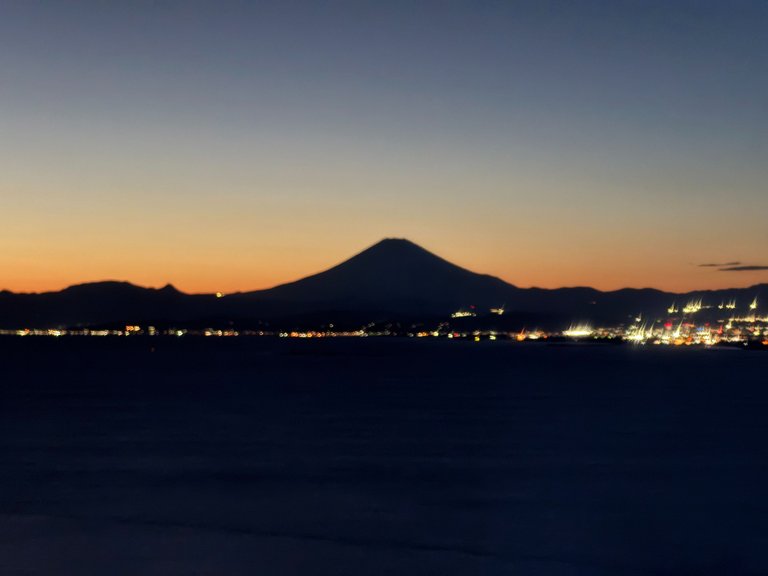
[{"x": 237, "y": 272}]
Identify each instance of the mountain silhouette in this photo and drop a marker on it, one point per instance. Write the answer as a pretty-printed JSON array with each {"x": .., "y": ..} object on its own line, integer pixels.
[
  {"x": 393, "y": 274},
  {"x": 99, "y": 303},
  {"x": 393, "y": 279}
]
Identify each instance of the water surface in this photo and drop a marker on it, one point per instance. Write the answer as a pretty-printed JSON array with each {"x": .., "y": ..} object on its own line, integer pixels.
[{"x": 255, "y": 456}]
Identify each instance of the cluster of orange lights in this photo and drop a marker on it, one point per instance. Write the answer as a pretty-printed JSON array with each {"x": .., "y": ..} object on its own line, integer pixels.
[{"x": 321, "y": 334}]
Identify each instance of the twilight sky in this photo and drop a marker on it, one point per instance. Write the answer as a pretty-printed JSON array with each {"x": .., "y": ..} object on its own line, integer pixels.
[{"x": 235, "y": 145}]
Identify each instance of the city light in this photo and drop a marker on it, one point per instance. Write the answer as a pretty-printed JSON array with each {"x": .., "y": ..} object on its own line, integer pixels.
[
  {"x": 580, "y": 331},
  {"x": 696, "y": 324}
]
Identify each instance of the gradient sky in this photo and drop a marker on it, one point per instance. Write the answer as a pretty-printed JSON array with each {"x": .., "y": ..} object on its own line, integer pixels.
[{"x": 235, "y": 145}]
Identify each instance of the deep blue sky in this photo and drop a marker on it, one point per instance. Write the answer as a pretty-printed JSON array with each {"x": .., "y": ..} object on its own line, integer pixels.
[{"x": 233, "y": 145}]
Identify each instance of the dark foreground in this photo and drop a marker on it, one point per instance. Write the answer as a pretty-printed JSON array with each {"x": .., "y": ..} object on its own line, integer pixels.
[{"x": 357, "y": 457}]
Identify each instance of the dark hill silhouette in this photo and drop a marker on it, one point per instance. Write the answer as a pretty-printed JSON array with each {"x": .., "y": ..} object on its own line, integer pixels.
[
  {"x": 100, "y": 303},
  {"x": 393, "y": 279}
]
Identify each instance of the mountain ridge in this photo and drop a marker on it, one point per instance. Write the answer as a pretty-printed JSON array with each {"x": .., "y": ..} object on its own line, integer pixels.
[{"x": 391, "y": 278}]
